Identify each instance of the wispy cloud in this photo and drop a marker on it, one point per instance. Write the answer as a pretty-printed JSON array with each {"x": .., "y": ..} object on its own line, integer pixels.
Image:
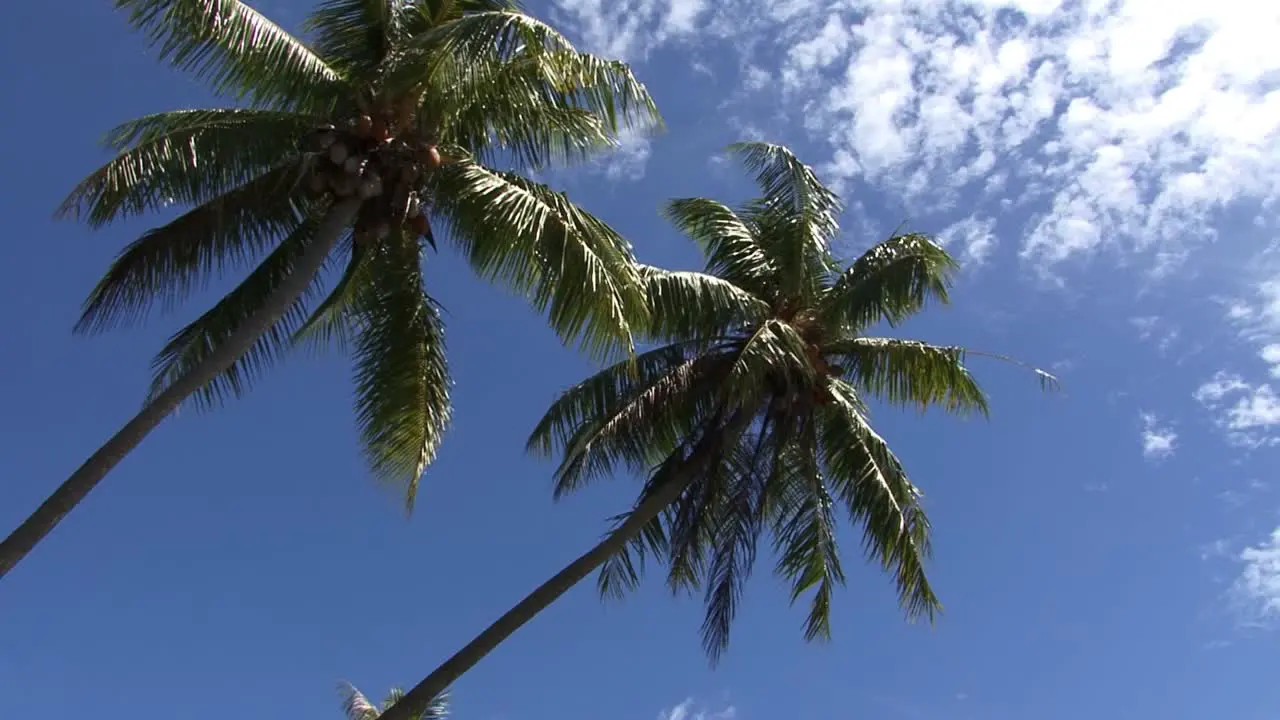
[
  {"x": 1158, "y": 441},
  {"x": 1122, "y": 127},
  {"x": 689, "y": 710},
  {"x": 627, "y": 162},
  {"x": 1257, "y": 589}
]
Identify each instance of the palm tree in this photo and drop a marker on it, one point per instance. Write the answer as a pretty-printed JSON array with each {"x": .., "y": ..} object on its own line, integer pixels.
[
  {"x": 399, "y": 116},
  {"x": 750, "y": 416},
  {"x": 358, "y": 707}
]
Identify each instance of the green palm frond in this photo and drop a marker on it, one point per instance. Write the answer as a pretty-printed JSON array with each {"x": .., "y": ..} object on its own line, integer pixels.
[
  {"x": 238, "y": 51},
  {"x": 401, "y": 376},
  {"x": 194, "y": 343},
  {"x": 797, "y": 216},
  {"x": 505, "y": 111},
  {"x": 571, "y": 265},
  {"x": 332, "y": 320},
  {"x": 785, "y": 182},
  {"x": 735, "y": 533},
  {"x": 699, "y": 305},
  {"x": 167, "y": 263},
  {"x": 638, "y": 429},
  {"x": 804, "y": 528},
  {"x": 774, "y": 360},
  {"x": 356, "y": 36},
  {"x": 733, "y": 253},
  {"x": 889, "y": 282},
  {"x": 355, "y": 705},
  {"x": 437, "y": 709},
  {"x": 871, "y": 483},
  {"x": 909, "y": 372},
  {"x": 186, "y": 157}
]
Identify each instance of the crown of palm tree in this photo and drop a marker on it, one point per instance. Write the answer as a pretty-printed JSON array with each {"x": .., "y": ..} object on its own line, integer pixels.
[
  {"x": 753, "y": 403},
  {"x": 410, "y": 107},
  {"x": 356, "y": 706}
]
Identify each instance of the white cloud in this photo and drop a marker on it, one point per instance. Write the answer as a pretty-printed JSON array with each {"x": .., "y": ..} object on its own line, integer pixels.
[
  {"x": 1158, "y": 441},
  {"x": 974, "y": 237},
  {"x": 1247, "y": 413},
  {"x": 1119, "y": 125},
  {"x": 687, "y": 710},
  {"x": 1156, "y": 330},
  {"x": 1257, "y": 589},
  {"x": 628, "y": 160}
]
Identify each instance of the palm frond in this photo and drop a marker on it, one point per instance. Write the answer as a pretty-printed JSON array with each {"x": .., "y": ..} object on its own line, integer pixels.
[
  {"x": 194, "y": 343},
  {"x": 644, "y": 426},
  {"x": 733, "y": 253},
  {"x": 889, "y": 282},
  {"x": 804, "y": 528},
  {"x": 186, "y": 157},
  {"x": 354, "y": 703},
  {"x": 238, "y": 51},
  {"x": 167, "y": 263},
  {"x": 736, "y": 527},
  {"x": 437, "y": 709},
  {"x": 772, "y": 361},
  {"x": 697, "y": 305},
  {"x": 797, "y": 216},
  {"x": 402, "y": 380},
  {"x": 570, "y": 264},
  {"x": 356, "y": 36},
  {"x": 507, "y": 111},
  {"x": 333, "y": 319},
  {"x": 871, "y": 483},
  {"x": 909, "y": 372},
  {"x": 786, "y": 182}
]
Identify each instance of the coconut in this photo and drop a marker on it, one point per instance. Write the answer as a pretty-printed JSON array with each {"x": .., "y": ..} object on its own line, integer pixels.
[
  {"x": 338, "y": 153},
  {"x": 383, "y": 229},
  {"x": 380, "y": 130},
  {"x": 364, "y": 125},
  {"x": 353, "y": 164},
  {"x": 431, "y": 157}
]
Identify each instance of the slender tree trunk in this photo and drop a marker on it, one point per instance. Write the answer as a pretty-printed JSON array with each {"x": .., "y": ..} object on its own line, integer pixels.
[
  {"x": 560, "y": 583},
  {"x": 87, "y": 476}
]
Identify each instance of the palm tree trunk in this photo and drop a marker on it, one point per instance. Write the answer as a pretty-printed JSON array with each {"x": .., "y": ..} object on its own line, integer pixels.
[
  {"x": 560, "y": 583},
  {"x": 87, "y": 476}
]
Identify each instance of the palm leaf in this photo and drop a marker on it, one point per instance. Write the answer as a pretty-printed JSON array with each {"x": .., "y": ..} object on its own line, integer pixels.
[
  {"x": 804, "y": 528},
  {"x": 733, "y": 253},
  {"x": 194, "y": 343},
  {"x": 401, "y": 377},
  {"x": 697, "y": 305},
  {"x": 889, "y": 282},
  {"x": 571, "y": 265},
  {"x": 333, "y": 319},
  {"x": 909, "y": 372},
  {"x": 356, "y": 36},
  {"x": 354, "y": 703},
  {"x": 797, "y": 215},
  {"x": 871, "y": 483},
  {"x": 187, "y": 157},
  {"x": 167, "y": 263},
  {"x": 506, "y": 111},
  {"x": 238, "y": 51}
]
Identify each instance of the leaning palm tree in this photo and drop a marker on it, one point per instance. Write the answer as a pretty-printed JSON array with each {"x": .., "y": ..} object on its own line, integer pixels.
[
  {"x": 358, "y": 707},
  {"x": 750, "y": 416},
  {"x": 399, "y": 116}
]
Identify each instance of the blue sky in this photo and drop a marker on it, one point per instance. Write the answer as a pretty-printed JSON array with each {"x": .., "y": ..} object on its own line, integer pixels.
[{"x": 1109, "y": 173}]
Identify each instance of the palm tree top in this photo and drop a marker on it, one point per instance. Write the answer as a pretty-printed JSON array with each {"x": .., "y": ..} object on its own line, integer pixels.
[{"x": 759, "y": 383}]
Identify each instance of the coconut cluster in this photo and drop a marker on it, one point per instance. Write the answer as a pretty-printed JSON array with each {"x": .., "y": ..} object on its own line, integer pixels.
[{"x": 367, "y": 160}]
